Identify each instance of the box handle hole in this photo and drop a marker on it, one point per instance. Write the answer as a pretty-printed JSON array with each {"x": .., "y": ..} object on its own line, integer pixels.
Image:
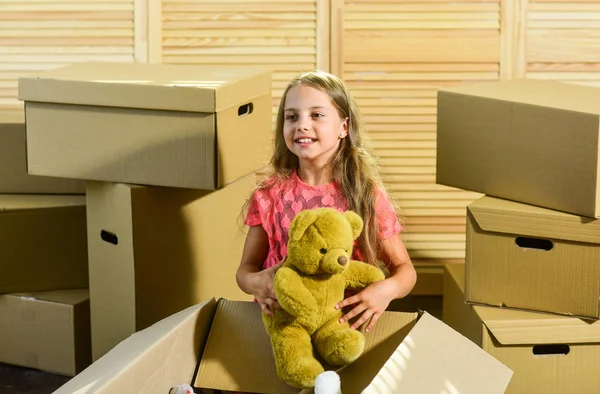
[
  {"x": 245, "y": 109},
  {"x": 109, "y": 237},
  {"x": 534, "y": 243},
  {"x": 551, "y": 350}
]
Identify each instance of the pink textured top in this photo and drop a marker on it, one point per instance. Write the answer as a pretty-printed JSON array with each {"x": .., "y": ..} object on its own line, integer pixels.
[{"x": 275, "y": 207}]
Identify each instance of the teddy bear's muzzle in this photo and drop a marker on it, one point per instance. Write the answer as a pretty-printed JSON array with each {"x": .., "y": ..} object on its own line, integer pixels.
[{"x": 335, "y": 262}]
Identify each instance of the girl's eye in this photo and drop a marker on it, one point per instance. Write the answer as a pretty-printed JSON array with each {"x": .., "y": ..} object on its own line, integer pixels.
[
  {"x": 290, "y": 117},
  {"x": 317, "y": 115}
]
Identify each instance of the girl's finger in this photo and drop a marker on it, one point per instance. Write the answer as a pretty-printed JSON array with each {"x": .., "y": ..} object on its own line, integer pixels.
[
  {"x": 348, "y": 301},
  {"x": 266, "y": 310},
  {"x": 365, "y": 316},
  {"x": 355, "y": 311},
  {"x": 374, "y": 319}
]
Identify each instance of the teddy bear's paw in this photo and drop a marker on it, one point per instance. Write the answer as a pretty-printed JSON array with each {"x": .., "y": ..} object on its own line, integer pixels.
[
  {"x": 328, "y": 383},
  {"x": 343, "y": 347},
  {"x": 302, "y": 372}
]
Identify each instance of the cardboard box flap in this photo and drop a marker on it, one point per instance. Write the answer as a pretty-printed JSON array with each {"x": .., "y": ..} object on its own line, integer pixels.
[
  {"x": 66, "y": 297},
  {"x": 152, "y": 86},
  {"x": 21, "y": 202},
  {"x": 238, "y": 353},
  {"x": 381, "y": 344},
  {"x": 433, "y": 358},
  {"x": 150, "y": 361},
  {"x": 516, "y": 327},
  {"x": 12, "y": 117},
  {"x": 509, "y": 217},
  {"x": 553, "y": 94}
]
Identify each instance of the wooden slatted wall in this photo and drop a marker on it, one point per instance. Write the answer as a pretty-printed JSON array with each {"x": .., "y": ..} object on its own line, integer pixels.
[
  {"x": 44, "y": 34},
  {"x": 281, "y": 36},
  {"x": 563, "y": 41},
  {"x": 396, "y": 55}
]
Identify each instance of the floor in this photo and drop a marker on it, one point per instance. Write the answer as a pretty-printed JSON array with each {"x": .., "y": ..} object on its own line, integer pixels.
[{"x": 16, "y": 380}]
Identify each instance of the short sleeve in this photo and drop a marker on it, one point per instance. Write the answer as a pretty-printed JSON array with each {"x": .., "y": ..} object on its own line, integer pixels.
[
  {"x": 253, "y": 214},
  {"x": 387, "y": 219}
]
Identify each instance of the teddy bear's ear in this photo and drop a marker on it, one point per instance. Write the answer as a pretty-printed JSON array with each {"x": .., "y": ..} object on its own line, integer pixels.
[
  {"x": 356, "y": 222},
  {"x": 301, "y": 223}
]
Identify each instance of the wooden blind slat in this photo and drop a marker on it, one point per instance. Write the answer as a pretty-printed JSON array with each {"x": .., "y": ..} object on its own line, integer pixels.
[{"x": 44, "y": 34}]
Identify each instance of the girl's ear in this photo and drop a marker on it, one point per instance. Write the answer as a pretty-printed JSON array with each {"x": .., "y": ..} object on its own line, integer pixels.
[
  {"x": 356, "y": 222},
  {"x": 345, "y": 126},
  {"x": 301, "y": 222}
]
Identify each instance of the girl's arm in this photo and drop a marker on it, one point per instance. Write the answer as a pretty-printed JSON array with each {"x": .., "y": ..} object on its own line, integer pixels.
[
  {"x": 250, "y": 276},
  {"x": 402, "y": 271},
  {"x": 375, "y": 299}
]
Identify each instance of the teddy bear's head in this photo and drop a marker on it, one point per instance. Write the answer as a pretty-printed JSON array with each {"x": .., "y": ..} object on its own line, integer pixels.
[{"x": 321, "y": 240}]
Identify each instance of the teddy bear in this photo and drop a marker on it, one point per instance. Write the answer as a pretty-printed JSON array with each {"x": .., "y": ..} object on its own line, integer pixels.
[{"x": 312, "y": 280}]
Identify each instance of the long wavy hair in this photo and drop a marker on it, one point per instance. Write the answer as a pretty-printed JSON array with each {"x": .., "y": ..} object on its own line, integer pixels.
[{"x": 353, "y": 167}]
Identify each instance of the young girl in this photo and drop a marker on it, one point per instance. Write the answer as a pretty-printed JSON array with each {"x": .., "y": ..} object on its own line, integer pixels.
[{"x": 321, "y": 159}]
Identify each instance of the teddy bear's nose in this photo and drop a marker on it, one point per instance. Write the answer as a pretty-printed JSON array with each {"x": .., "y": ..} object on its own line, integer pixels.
[{"x": 342, "y": 260}]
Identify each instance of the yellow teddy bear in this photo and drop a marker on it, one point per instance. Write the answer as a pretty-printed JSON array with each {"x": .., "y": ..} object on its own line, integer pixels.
[{"x": 309, "y": 284}]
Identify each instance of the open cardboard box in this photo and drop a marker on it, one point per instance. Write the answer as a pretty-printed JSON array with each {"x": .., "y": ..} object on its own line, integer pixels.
[{"x": 223, "y": 345}]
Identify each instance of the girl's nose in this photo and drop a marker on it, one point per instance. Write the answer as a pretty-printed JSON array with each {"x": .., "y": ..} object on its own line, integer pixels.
[{"x": 303, "y": 123}]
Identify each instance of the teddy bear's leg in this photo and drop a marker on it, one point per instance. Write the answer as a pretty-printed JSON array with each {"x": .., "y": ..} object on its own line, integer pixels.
[
  {"x": 294, "y": 357},
  {"x": 337, "y": 343}
]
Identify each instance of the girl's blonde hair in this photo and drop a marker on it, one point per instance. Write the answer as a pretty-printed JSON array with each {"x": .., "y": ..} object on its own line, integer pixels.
[{"x": 353, "y": 167}]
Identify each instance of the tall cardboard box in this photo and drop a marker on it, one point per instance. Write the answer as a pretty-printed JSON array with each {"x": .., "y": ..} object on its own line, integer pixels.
[
  {"x": 48, "y": 330},
  {"x": 549, "y": 354},
  {"x": 149, "y": 124},
  {"x": 530, "y": 141},
  {"x": 13, "y": 163},
  {"x": 43, "y": 243},
  {"x": 522, "y": 256},
  {"x": 155, "y": 251},
  {"x": 223, "y": 345}
]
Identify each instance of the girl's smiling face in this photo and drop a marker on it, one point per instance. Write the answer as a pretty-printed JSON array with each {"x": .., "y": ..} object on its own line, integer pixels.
[{"x": 312, "y": 126}]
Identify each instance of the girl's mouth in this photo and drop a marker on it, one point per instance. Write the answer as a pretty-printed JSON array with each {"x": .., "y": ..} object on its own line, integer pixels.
[{"x": 304, "y": 141}]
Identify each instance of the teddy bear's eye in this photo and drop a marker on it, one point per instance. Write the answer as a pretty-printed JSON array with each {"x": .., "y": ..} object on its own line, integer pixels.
[{"x": 323, "y": 250}]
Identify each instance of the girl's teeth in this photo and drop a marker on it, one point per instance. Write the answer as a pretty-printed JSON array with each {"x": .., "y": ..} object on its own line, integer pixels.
[{"x": 304, "y": 140}]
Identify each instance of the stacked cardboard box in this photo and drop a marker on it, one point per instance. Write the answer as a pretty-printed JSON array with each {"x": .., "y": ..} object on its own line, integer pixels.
[
  {"x": 168, "y": 154},
  {"x": 533, "y": 241},
  {"x": 43, "y": 262}
]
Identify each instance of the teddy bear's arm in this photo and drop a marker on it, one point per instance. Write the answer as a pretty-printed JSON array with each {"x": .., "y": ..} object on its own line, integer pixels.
[
  {"x": 292, "y": 294},
  {"x": 359, "y": 275}
]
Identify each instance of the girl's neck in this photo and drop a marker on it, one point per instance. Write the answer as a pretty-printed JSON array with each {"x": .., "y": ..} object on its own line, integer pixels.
[{"x": 315, "y": 176}]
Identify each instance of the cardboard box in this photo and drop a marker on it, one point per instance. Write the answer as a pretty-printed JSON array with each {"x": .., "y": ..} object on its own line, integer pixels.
[
  {"x": 43, "y": 243},
  {"x": 521, "y": 256},
  {"x": 531, "y": 141},
  {"x": 13, "y": 163},
  {"x": 226, "y": 342},
  {"x": 155, "y": 251},
  {"x": 150, "y": 124},
  {"x": 549, "y": 354},
  {"x": 49, "y": 331}
]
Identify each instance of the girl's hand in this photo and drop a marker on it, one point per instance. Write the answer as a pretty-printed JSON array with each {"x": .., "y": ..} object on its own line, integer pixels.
[
  {"x": 371, "y": 302},
  {"x": 264, "y": 291}
]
